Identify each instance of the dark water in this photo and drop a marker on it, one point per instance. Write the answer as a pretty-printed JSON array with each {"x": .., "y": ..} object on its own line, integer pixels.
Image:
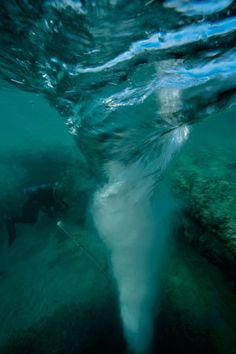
[{"x": 102, "y": 95}]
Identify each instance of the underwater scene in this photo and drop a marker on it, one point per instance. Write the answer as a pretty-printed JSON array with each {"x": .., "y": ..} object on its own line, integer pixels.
[{"x": 118, "y": 177}]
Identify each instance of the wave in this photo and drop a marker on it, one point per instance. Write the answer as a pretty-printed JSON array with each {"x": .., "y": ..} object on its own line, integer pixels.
[{"x": 94, "y": 62}]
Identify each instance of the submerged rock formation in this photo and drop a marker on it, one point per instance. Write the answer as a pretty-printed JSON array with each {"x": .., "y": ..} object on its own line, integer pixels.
[{"x": 206, "y": 180}]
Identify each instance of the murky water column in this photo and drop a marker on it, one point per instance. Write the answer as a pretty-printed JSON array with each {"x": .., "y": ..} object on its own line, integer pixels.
[{"x": 135, "y": 222}]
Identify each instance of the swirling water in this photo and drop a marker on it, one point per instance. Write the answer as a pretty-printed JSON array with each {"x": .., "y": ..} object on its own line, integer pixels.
[{"x": 129, "y": 80}]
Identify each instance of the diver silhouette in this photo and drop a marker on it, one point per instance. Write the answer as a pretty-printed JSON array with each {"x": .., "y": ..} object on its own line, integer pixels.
[{"x": 46, "y": 197}]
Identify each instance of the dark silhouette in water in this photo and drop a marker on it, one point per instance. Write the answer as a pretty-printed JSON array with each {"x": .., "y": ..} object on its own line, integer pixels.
[{"x": 46, "y": 197}]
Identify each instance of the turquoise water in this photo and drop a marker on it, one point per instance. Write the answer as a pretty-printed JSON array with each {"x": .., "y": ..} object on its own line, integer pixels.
[{"x": 131, "y": 105}]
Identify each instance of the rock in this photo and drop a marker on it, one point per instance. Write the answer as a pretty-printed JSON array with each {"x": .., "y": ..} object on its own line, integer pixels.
[{"x": 208, "y": 185}]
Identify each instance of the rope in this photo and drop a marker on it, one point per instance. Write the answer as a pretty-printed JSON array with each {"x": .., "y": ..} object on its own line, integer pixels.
[{"x": 77, "y": 243}]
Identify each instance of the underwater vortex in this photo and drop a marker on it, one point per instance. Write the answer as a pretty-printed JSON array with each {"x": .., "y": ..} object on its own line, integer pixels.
[{"x": 128, "y": 78}]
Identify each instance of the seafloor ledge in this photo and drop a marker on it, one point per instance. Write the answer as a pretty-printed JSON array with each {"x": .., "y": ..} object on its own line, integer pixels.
[{"x": 206, "y": 182}]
